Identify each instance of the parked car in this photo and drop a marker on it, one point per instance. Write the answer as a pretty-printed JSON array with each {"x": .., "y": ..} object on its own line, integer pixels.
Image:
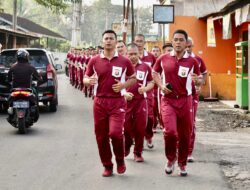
[
  {"x": 44, "y": 62},
  {"x": 66, "y": 62}
]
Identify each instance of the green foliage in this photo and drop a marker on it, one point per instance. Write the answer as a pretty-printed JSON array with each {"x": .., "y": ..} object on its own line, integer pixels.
[
  {"x": 95, "y": 21},
  {"x": 64, "y": 46},
  {"x": 56, "y": 6},
  {"x": 95, "y": 17}
]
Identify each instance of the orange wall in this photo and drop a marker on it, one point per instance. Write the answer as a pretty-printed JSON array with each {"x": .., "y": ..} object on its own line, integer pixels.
[{"x": 219, "y": 60}]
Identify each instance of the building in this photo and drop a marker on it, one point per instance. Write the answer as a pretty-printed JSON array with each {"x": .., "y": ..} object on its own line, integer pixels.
[
  {"x": 27, "y": 34},
  {"x": 229, "y": 24}
]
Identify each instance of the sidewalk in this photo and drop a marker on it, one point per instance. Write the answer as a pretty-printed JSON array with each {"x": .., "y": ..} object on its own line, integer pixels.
[{"x": 231, "y": 104}]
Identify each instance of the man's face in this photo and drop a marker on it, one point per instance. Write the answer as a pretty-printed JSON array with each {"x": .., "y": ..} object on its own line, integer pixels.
[
  {"x": 189, "y": 47},
  {"x": 133, "y": 55},
  {"x": 93, "y": 52},
  {"x": 179, "y": 42},
  {"x": 156, "y": 52},
  {"x": 109, "y": 41},
  {"x": 140, "y": 42},
  {"x": 87, "y": 52},
  {"x": 121, "y": 48},
  {"x": 99, "y": 51},
  {"x": 167, "y": 50}
]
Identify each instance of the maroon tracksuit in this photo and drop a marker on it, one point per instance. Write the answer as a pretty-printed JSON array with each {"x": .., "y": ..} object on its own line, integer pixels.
[
  {"x": 195, "y": 94},
  {"x": 109, "y": 106},
  {"x": 149, "y": 59},
  {"x": 176, "y": 107},
  {"x": 136, "y": 113}
]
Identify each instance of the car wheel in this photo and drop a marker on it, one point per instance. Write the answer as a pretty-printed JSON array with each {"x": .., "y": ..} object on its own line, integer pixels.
[
  {"x": 4, "y": 107},
  {"x": 66, "y": 71},
  {"x": 53, "y": 105}
]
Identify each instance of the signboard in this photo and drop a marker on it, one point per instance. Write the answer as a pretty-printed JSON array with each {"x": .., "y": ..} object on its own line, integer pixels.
[
  {"x": 211, "y": 42},
  {"x": 163, "y": 14},
  {"x": 227, "y": 27},
  {"x": 117, "y": 27}
]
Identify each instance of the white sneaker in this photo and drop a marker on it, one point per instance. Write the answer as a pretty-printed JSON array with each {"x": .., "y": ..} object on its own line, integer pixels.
[
  {"x": 150, "y": 143},
  {"x": 190, "y": 159},
  {"x": 183, "y": 171},
  {"x": 169, "y": 167}
]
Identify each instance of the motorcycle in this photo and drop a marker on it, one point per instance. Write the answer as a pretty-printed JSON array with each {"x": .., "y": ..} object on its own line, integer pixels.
[{"x": 23, "y": 110}]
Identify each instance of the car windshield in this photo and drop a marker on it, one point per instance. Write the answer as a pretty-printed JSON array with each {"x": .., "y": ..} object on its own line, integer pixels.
[{"x": 37, "y": 58}]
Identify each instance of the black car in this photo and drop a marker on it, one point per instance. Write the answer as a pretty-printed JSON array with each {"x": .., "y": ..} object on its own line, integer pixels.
[{"x": 44, "y": 62}]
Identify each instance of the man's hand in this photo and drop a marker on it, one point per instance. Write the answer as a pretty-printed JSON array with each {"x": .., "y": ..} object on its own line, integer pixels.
[
  {"x": 128, "y": 96},
  {"x": 142, "y": 89},
  {"x": 198, "y": 80},
  {"x": 194, "y": 77},
  {"x": 118, "y": 86},
  {"x": 165, "y": 90},
  {"x": 90, "y": 81}
]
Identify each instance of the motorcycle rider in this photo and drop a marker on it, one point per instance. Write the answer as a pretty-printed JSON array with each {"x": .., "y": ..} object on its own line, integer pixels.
[{"x": 21, "y": 74}]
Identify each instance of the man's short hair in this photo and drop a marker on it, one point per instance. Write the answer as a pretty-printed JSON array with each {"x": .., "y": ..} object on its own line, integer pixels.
[
  {"x": 190, "y": 40},
  {"x": 156, "y": 47},
  {"x": 132, "y": 45},
  {"x": 180, "y": 31},
  {"x": 121, "y": 41},
  {"x": 109, "y": 32},
  {"x": 140, "y": 35},
  {"x": 167, "y": 45}
]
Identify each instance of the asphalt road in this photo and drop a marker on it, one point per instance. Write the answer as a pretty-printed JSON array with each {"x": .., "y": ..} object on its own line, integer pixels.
[{"x": 60, "y": 152}]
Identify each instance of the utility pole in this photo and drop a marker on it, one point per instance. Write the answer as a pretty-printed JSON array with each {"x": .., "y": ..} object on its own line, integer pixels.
[
  {"x": 165, "y": 26},
  {"x": 125, "y": 22},
  {"x": 133, "y": 21},
  {"x": 76, "y": 30},
  {"x": 14, "y": 21}
]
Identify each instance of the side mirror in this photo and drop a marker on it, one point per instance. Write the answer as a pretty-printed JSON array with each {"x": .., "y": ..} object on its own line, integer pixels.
[
  {"x": 58, "y": 66},
  {"x": 56, "y": 59}
]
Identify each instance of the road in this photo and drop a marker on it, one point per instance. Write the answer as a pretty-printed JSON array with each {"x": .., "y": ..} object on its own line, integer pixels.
[{"x": 60, "y": 152}]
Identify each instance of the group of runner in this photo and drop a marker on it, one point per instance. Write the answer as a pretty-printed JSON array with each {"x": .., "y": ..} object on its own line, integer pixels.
[
  {"x": 136, "y": 91},
  {"x": 77, "y": 60}
]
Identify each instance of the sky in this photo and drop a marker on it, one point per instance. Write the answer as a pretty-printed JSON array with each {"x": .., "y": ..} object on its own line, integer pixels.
[{"x": 137, "y": 3}]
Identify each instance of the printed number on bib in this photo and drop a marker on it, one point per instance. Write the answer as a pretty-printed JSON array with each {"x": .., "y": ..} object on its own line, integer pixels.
[
  {"x": 116, "y": 71},
  {"x": 183, "y": 71},
  {"x": 140, "y": 75}
]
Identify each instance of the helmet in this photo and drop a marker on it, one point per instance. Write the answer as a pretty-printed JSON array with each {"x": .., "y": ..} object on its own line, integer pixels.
[{"x": 22, "y": 55}]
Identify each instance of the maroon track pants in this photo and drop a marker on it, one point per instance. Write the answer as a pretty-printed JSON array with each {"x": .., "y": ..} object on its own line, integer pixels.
[
  {"x": 177, "y": 117},
  {"x": 150, "y": 123},
  {"x": 109, "y": 117},
  {"x": 135, "y": 124},
  {"x": 193, "y": 131}
]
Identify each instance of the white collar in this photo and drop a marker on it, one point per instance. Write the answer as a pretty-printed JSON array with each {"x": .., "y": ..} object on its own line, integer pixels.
[
  {"x": 192, "y": 54},
  {"x": 145, "y": 53},
  {"x": 103, "y": 56},
  {"x": 173, "y": 53}
]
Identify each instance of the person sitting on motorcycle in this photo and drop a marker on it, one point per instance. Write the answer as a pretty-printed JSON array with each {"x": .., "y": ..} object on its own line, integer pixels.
[{"x": 21, "y": 74}]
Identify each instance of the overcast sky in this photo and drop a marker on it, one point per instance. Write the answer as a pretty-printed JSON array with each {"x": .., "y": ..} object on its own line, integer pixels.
[{"x": 140, "y": 3}]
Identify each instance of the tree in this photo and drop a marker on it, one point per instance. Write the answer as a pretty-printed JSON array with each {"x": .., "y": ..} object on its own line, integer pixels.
[
  {"x": 95, "y": 18},
  {"x": 55, "y": 5}
]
